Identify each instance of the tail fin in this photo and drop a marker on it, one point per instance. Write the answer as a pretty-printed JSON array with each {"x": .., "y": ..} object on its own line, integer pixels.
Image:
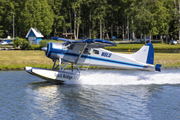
[{"x": 145, "y": 54}]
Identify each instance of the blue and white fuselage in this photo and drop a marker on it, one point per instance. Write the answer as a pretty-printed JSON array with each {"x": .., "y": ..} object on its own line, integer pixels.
[{"x": 141, "y": 60}]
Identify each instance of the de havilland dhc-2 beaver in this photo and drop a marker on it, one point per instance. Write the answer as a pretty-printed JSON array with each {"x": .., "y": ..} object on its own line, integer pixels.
[{"x": 90, "y": 52}]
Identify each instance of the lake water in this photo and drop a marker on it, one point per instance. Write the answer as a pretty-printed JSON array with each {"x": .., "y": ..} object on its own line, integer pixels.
[{"x": 101, "y": 94}]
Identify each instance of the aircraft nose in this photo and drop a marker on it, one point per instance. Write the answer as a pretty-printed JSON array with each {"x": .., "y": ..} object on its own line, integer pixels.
[{"x": 44, "y": 48}]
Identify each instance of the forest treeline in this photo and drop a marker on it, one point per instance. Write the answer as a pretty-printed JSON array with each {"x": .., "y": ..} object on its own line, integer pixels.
[{"x": 91, "y": 18}]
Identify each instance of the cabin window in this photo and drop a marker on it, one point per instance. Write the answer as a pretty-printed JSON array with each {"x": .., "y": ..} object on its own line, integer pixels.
[{"x": 95, "y": 51}]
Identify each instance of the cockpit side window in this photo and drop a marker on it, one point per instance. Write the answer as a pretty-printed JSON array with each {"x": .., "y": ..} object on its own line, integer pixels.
[
  {"x": 95, "y": 52},
  {"x": 86, "y": 51},
  {"x": 71, "y": 47}
]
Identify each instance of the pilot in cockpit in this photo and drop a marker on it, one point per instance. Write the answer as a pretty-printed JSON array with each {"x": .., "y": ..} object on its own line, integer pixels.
[{"x": 86, "y": 51}]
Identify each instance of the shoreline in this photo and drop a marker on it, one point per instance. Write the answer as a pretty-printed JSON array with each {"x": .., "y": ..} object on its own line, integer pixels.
[
  {"x": 17, "y": 60},
  {"x": 97, "y": 68}
]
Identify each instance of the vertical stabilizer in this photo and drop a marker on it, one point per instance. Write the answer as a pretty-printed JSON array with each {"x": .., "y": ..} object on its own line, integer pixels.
[{"x": 145, "y": 54}]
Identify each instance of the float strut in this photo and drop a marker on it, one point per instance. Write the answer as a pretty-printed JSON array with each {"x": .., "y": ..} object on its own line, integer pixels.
[
  {"x": 72, "y": 67},
  {"x": 54, "y": 64},
  {"x": 77, "y": 68},
  {"x": 59, "y": 64},
  {"x": 65, "y": 66}
]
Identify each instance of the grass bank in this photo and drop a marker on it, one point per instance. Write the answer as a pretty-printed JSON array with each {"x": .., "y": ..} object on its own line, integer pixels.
[
  {"x": 157, "y": 46},
  {"x": 167, "y": 60},
  {"x": 17, "y": 60}
]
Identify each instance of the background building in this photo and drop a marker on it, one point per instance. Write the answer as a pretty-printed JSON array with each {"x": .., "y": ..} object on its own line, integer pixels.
[{"x": 34, "y": 36}]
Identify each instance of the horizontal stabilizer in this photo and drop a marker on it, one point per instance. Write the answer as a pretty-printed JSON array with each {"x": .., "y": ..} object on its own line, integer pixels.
[{"x": 158, "y": 67}]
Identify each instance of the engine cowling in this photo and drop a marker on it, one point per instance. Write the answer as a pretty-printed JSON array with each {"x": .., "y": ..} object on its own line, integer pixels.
[{"x": 54, "y": 49}]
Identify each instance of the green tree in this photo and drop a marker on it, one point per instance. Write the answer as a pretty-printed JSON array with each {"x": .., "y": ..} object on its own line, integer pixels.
[
  {"x": 37, "y": 14},
  {"x": 1, "y": 30},
  {"x": 6, "y": 7},
  {"x": 161, "y": 19},
  {"x": 58, "y": 18},
  {"x": 141, "y": 16},
  {"x": 150, "y": 17}
]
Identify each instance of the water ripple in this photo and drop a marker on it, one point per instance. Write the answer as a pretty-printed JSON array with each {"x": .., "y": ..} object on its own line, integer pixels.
[{"x": 107, "y": 95}]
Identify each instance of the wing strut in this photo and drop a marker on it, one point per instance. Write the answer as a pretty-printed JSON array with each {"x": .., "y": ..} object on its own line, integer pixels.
[{"x": 81, "y": 53}]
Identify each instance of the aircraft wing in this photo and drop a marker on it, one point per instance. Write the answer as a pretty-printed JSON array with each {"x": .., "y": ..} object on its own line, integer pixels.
[
  {"x": 62, "y": 39},
  {"x": 93, "y": 43}
]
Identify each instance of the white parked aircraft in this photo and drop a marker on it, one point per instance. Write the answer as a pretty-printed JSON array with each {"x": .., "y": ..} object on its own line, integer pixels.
[
  {"x": 90, "y": 52},
  {"x": 6, "y": 41}
]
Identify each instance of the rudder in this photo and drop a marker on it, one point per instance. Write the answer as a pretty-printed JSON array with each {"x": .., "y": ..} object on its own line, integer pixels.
[{"x": 150, "y": 57}]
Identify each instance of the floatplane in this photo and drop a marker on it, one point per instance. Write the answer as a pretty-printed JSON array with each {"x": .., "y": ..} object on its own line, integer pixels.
[{"x": 90, "y": 52}]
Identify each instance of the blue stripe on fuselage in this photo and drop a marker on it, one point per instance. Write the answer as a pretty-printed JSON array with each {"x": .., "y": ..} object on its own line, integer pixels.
[{"x": 65, "y": 52}]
